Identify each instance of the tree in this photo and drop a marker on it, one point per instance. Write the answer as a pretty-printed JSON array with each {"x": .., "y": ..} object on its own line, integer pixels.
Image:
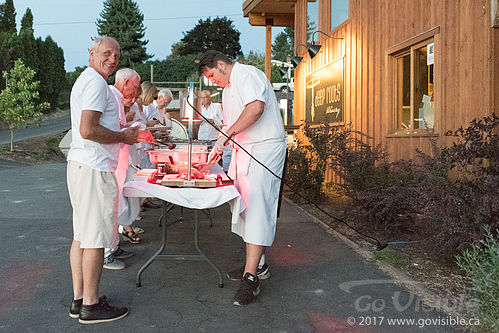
[
  {"x": 217, "y": 34},
  {"x": 52, "y": 75},
  {"x": 283, "y": 45},
  {"x": 175, "y": 49},
  {"x": 19, "y": 101},
  {"x": 173, "y": 69},
  {"x": 122, "y": 20},
  {"x": 27, "y": 22},
  {"x": 258, "y": 60},
  {"x": 27, "y": 42},
  {"x": 8, "y": 17}
]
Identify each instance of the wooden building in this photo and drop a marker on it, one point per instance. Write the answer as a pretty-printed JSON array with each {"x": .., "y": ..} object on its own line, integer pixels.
[{"x": 399, "y": 71}]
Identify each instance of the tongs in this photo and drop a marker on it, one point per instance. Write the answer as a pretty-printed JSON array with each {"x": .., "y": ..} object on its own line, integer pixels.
[{"x": 209, "y": 165}]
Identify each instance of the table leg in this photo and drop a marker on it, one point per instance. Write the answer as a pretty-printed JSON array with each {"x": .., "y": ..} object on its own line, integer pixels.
[
  {"x": 201, "y": 253},
  {"x": 166, "y": 207},
  {"x": 160, "y": 253}
]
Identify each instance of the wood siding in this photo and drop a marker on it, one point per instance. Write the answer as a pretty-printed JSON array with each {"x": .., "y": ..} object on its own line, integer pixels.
[{"x": 465, "y": 65}]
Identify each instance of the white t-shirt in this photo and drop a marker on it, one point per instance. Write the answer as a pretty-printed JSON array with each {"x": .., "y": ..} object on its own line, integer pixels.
[
  {"x": 136, "y": 152},
  {"x": 91, "y": 92},
  {"x": 248, "y": 84},
  {"x": 206, "y": 131},
  {"x": 151, "y": 111},
  {"x": 118, "y": 96}
]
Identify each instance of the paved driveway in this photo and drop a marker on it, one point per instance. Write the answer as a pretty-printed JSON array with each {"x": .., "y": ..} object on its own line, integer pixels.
[{"x": 318, "y": 284}]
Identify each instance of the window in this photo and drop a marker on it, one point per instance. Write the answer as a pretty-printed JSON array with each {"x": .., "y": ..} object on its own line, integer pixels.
[
  {"x": 414, "y": 87},
  {"x": 312, "y": 19},
  {"x": 339, "y": 12}
]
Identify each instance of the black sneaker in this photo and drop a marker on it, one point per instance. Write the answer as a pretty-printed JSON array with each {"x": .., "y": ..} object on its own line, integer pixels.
[
  {"x": 74, "y": 309},
  {"x": 262, "y": 273},
  {"x": 101, "y": 312},
  {"x": 248, "y": 290}
]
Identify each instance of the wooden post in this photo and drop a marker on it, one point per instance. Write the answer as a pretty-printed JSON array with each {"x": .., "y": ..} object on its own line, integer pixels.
[
  {"x": 268, "y": 46},
  {"x": 300, "y": 22}
]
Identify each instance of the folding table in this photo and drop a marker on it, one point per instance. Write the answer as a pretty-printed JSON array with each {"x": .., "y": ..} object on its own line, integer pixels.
[{"x": 195, "y": 198}]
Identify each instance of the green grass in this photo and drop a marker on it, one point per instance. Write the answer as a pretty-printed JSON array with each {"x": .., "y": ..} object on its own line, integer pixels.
[{"x": 391, "y": 257}]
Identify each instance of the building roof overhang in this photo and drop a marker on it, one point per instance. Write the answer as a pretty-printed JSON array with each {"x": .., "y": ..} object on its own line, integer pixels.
[{"x": 279, "y": 13}]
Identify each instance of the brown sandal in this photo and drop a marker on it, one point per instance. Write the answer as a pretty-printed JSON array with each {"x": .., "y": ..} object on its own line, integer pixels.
[{"x": 130, "y": 236}]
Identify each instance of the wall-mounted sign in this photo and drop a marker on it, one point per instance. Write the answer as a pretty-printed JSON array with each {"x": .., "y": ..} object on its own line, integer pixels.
[
  {"x": 430, "y": 54},
  {"x": 324, "y": 94}
]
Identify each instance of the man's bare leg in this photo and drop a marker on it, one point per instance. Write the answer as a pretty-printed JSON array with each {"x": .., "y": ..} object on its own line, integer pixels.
[
  {"x": 253, "y": 254},
  {"x": 92, "y": 262},
  {"x": 75, "y": 258}
]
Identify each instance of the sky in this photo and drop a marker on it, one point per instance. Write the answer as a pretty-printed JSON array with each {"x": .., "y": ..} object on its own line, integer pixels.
[{"x": 71, "y": 24}]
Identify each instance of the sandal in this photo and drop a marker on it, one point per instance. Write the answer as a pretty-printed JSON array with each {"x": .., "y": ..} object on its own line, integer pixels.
[
  {"x": 130, "y": 236},
  {"x": 138, "y": 230}
]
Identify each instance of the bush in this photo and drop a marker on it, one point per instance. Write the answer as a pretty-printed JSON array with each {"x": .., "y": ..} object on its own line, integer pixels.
[
  {"x": 481, "y": 264},
  {"x": 447, "y": 196},
  {"x": 461, "y": 184},
  {"x": 304, "y": 174}
]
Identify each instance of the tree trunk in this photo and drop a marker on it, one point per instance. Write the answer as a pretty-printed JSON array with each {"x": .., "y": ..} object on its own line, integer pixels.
[{"x": 11, "y": 140}]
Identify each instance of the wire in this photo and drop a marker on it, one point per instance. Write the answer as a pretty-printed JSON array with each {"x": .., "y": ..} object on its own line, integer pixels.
[
  {"x": 378, "y": 244},
  {"x": 150, "y": 19}
]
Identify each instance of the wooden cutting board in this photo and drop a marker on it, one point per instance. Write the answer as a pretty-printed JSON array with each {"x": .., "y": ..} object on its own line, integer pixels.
[{"x": 173, "y": 180}]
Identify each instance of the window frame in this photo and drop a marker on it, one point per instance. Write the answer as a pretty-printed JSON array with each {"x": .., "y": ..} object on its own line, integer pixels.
[{"x": 392, "y": 55}]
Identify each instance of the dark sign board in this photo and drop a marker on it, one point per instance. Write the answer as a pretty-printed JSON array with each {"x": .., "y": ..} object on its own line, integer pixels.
[{"x": 324, "y": 94}]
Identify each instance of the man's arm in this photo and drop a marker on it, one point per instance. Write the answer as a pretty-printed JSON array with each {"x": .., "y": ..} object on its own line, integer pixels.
[
  {"x": 251, "y": 113},
  {"x": 90, "y": 129}
]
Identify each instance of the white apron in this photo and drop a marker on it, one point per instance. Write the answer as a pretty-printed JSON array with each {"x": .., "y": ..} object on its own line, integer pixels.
[{"x": 259, "y": 189}]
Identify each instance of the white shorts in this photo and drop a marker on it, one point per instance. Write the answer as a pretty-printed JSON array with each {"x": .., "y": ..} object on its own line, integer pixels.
[{"x": 94, "y": 197}]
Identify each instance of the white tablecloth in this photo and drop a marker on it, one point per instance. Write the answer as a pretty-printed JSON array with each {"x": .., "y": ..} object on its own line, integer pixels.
[{"x": 198, "y": 198}]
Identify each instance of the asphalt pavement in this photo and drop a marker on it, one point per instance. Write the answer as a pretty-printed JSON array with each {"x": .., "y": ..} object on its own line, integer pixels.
[
  {"x": 317, "y": 283},
  {"x": 48, "y": 127}
]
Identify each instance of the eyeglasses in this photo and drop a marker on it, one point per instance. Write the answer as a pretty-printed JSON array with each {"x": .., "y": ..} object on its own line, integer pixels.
[{"x": 156, "y": 97}]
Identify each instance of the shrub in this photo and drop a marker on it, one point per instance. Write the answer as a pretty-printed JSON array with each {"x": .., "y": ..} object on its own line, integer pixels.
[
  {"x": 304, "y": 174},
  {"x": 461, "y": 184},
  {"x": 481, "y": 264},
  {"x": 447, "y": 196}
]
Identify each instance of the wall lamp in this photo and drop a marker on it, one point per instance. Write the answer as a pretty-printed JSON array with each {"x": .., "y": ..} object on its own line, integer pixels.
[
  {"x": 296, "y": 59},
  {"x": 283, "y": 71},
  {"x": 314, "y": 49}
]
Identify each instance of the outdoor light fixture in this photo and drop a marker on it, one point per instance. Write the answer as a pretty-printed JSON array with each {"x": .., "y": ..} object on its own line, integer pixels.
[
  {"x": 283, "y": 70},
  {"x": 314, "y": 49},
  {"x": 296, "y": 59}
]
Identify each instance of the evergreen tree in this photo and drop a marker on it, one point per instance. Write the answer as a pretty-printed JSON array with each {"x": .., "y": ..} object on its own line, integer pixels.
[
  {"x": 8, "y": 17},
  {"x": 217, "y": 34},
  {"x": 122, "y": 20},
  {"x": 10, "y": 51},
  {"x": 19, "y": 101},
  {"x": 27, "y": 41},
  {"x": 51, "y": 74},
  {"x": 27, "y": 22},
  {"x": 283, "y": 45}
]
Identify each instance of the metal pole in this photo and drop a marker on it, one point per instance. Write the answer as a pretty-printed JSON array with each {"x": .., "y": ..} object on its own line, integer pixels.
[
  {"x": 152, "y": 73},
  {"x": 191, "y": 97}
]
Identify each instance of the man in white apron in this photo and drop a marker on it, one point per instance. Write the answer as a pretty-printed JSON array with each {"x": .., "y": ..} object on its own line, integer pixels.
[{"x": 252, "y": 119}]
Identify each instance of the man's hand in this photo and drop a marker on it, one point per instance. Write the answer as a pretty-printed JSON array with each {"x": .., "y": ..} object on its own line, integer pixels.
[
  {"x": 220, "y": 144},
  {"x": 129, "y": 116},
  {"x": 130, "y": 135},
  {"x": 217, "y": 151}
]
